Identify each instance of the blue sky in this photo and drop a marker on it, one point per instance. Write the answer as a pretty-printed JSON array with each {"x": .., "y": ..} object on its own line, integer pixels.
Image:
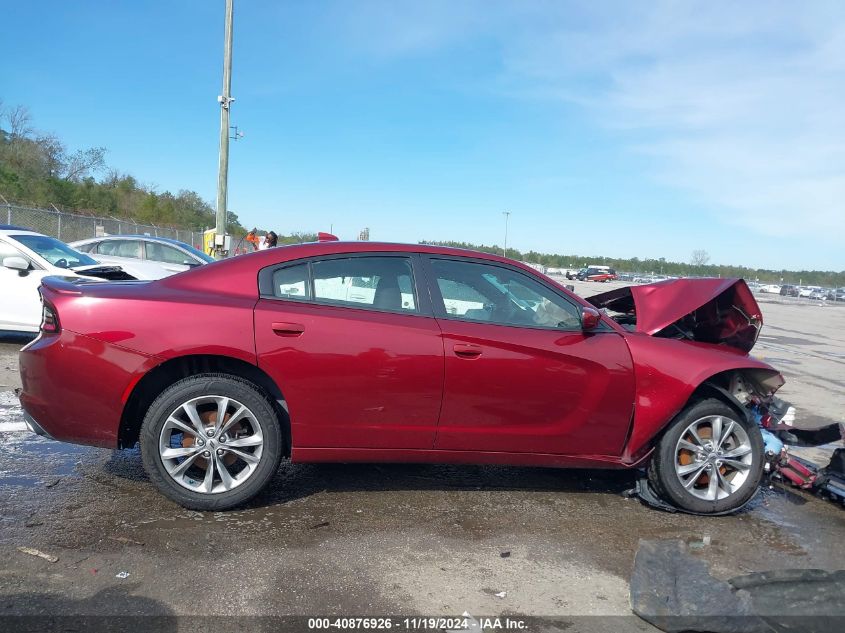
[{"x": 616, "y": 128}]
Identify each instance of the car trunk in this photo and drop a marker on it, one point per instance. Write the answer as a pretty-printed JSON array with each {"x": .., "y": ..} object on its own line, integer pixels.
[{"x": 721, "y": 311}]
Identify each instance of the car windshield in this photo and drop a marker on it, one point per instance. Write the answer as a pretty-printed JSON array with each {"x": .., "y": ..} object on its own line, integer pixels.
[{"x": 57, "y": 253}]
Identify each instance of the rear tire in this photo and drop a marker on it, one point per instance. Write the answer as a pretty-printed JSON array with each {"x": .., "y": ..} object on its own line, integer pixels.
[
  {"x": 709, "y": 460},
  {"x": 181, "y": 441}
]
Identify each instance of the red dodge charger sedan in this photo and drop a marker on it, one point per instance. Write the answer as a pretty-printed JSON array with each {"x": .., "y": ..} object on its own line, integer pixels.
[{"x": 351, "y": 352}]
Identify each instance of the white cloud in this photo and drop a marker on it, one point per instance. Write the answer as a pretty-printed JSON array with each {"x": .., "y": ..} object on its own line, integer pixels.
[{"x": 741, "y": 104}]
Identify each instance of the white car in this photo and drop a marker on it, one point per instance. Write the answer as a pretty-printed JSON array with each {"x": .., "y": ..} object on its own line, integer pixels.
[
  {"x": 25, "y": 258},
  {"x": 770, "y": 288},
  {"x": 144, "y": 256}
]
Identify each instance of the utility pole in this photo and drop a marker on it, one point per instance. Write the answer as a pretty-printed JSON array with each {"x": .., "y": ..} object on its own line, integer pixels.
[
  {"x": 507, "y": 215},
  {"x": 225, "y": 101}
]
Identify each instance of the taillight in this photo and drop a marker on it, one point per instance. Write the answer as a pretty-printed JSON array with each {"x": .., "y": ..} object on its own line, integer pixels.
[{"x": 49, "y": 318}]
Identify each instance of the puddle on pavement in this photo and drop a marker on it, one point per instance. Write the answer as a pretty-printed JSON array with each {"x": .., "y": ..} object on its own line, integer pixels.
[
  {"x": 46, "y": 460},
  {"x": 11, "y": 416}
]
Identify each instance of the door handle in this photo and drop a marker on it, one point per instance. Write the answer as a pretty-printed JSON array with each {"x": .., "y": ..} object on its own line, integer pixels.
[
  {"x": 288, "y": 329},
  {"x": 467, "y": 350}
]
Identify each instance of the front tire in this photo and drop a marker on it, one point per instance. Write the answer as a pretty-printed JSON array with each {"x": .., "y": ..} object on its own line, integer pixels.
[
  {"x": 709, "y": 460},
  {"x": 211, "y": 441}
]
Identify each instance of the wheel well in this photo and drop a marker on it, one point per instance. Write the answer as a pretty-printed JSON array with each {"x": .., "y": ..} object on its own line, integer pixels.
[
  {"x": 162, "y": 376},
  {"x": 718, "y": 386}
]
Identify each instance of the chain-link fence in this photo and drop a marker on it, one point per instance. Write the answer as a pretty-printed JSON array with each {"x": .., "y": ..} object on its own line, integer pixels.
[{"x": 70, "y": 227}]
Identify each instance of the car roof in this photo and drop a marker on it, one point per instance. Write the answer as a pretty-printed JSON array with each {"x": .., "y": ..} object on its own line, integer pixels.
[
  {"x": 148, "y": 238},
  {"x": 7, "y": 229},
  {"x": 237, "y": 274}
]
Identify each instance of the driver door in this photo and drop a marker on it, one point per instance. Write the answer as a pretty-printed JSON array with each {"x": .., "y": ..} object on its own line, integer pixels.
[{"x": 521, "y": 376}]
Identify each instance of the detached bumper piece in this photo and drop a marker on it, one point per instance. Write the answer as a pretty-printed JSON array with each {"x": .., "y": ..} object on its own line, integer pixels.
[{"x": 673, "y": 590}]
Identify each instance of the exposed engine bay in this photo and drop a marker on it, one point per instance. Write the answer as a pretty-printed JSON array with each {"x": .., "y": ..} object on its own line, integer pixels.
[{"x": 721, "y": 311}]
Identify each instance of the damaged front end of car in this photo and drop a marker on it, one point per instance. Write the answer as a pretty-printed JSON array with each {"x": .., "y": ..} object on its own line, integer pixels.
[{"x": 720, "y": 311}]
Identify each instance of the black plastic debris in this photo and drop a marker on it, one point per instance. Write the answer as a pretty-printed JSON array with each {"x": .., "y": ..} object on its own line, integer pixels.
[
  {"x": 674, "y": 591},
  {"x": 645, "y": 493},
  {"x": 807, "y": 600},
  {"x": 831, "y": 478}
]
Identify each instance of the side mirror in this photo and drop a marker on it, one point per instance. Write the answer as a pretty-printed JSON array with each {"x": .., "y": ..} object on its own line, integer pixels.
[
  {"x": 590, "y": 318},
  {"x": 16, "y": 263},
  {"x": 190, "y": 263}
]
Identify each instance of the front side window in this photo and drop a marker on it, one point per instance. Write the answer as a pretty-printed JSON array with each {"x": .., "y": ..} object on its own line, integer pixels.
[
  {"x": 494, "y": 294},
  {"x": 383, "y": 283}
]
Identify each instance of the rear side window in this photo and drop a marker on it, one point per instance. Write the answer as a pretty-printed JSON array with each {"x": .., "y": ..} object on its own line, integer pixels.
[
  {"x": 292, "y": 282},
  {"x": 162, "y": 253},
  {"x": 120, "y": 248},
  {"x": 382, "y": 283}
]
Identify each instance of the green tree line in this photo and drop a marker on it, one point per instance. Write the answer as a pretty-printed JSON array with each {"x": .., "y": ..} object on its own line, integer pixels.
[
  {"x": 662, "y": 266},
  {"x": 38, "y": 169}
]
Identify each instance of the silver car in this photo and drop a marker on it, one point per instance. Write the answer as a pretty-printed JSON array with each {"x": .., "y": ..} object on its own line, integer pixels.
[{"x": 161, "y": 256}]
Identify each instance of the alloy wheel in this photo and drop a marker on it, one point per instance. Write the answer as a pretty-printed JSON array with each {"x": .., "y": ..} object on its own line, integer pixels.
[
  {"x": 211, "y": 444},
  {"x": 713, "y": 457}
]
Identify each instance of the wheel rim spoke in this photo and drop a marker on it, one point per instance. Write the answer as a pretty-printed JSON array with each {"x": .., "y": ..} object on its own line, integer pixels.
[
  {"x": 689, "y": 468},
  {"x": 173, "y": 423},
  {"x": 713, "y": 485},
  {"x": 236, "y": 417},
  {"x": 249, "y": 458},
  {"x": 177, "y": 470},
  {"x": 689, "y": 446},
  {"x": 739, "y": 451},
  {"x": 246, "y": 442},
  {"x": 190, "y": 410},
  {"x": 726, "y": 433},
  {"x": 689, "y": 483},
  {"x": 736, "y": 464},
  {"x": 208, "y": 480},
  {"x": 694, "y": 432},
  {"x": 225, "y": 478},
  {"x": 222, "y": 407},
  {"x": 724, "y": 484},
  {"x": 173, "y": 453},
  {"x": 716, "y": 430}
]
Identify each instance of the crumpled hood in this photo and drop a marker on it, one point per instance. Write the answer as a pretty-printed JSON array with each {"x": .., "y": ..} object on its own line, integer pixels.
[{"x": 705, "y": 310}]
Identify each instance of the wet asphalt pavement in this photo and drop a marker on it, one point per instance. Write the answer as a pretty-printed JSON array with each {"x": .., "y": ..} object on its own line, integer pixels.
[{"x": 359, "y": 539}]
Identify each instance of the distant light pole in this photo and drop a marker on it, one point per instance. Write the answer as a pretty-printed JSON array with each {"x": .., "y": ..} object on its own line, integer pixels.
[{"x": 507, "y": 215}]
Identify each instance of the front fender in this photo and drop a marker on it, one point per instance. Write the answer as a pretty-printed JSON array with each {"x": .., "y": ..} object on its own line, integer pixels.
[{"x": 667, "y": 373}]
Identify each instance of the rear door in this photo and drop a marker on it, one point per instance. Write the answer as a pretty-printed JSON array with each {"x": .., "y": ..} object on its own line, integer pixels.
[
  {"x": 521, "y": 375},
  {"x": 353, "y": 345}
]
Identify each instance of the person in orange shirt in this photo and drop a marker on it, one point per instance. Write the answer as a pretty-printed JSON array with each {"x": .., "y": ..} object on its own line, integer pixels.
[{"x": 252, "y": 238}]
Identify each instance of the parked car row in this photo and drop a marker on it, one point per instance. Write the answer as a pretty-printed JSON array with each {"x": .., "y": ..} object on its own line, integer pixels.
[
  {"x": 816, "y": 293},
  {"x": 26, "y": 257}
]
